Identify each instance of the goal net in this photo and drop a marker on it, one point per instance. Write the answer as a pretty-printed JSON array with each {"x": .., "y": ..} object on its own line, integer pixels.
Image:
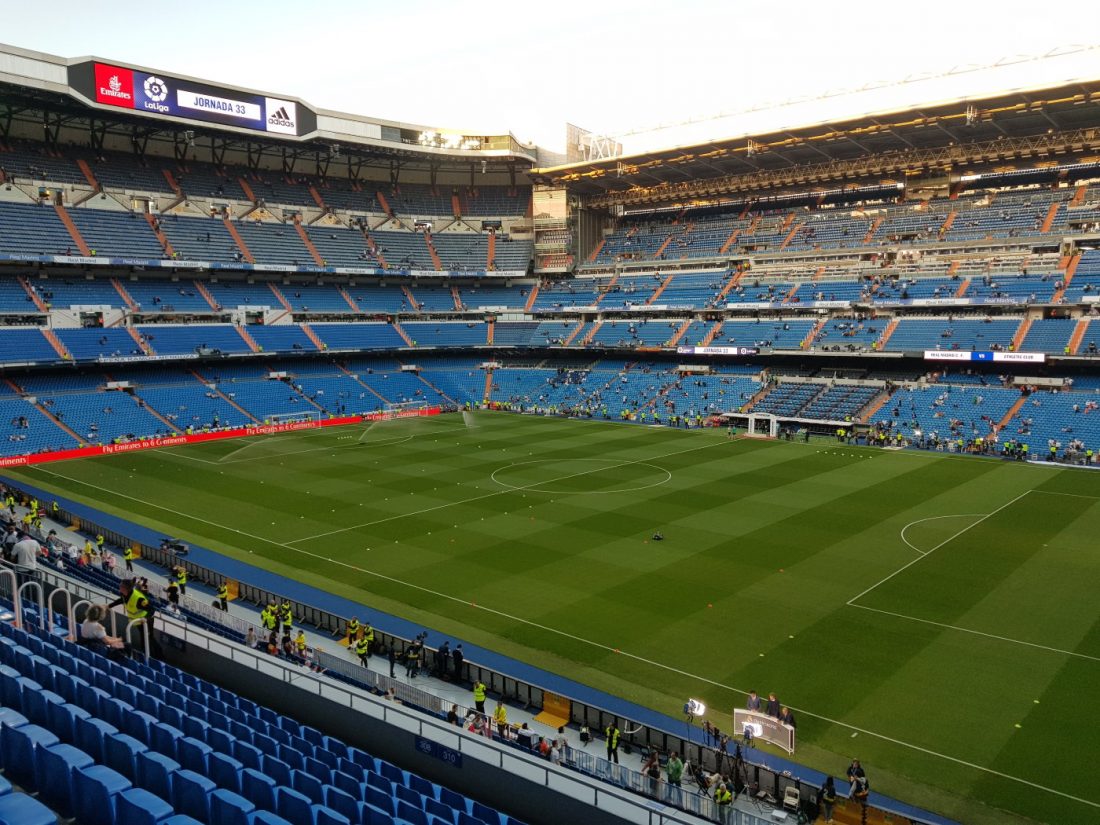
[
  {"x": 402, "y": 421},
  {"x": 293, "y": 418}
]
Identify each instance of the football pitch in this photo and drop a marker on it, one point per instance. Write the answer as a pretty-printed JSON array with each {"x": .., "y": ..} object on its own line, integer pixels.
[{"x": 936, "y": 616}]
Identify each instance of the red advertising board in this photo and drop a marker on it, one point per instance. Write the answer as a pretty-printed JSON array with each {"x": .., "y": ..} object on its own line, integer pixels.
[
  {"x": 114, "y": 86},
  {"x": 175, "y": 441}
]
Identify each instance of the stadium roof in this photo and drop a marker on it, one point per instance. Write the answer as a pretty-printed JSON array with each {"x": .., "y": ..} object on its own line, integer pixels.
[{"x": 957, "y": 123}]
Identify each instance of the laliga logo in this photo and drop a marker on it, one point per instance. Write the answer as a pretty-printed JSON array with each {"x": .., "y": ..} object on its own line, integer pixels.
[{"x": 155, "y": 89}]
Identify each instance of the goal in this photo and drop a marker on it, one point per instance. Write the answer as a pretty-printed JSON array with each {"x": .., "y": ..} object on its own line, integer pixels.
[{"x": 294, "y": 417}]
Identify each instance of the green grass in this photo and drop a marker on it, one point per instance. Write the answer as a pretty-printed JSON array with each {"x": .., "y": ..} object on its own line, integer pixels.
[{"x": 963, "y": 679}]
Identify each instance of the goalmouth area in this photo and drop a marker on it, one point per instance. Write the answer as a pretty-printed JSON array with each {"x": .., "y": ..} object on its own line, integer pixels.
[{"x": 933, "y": 615}]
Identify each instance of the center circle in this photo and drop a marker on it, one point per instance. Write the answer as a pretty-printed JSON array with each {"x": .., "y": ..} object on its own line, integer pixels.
[{"x": 599, "y": 476}]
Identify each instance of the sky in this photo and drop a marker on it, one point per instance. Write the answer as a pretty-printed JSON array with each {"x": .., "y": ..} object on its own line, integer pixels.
[{"x": 616, "y": 68}]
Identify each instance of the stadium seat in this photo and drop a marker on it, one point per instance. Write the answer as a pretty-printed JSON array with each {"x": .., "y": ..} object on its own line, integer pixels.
[
  {"x": 380, "y": 800},
  {"x": 62, "y": 720},
  {"x": 193, "y": 754},
  {"x": 191, "y": 794},
  {"x": 343, "y": 803},
  {"x": 137, "y": 806},
  {"x": 327, "y": 816},
  {"x": 411, "y": 814},
  {"x": 91, "y": 736},
  {"x": 94, "y": 790},
  {"x": 486, "y": 814},
  {"x": 437, "y": 809},
  {"x": 154, "y": 773},
  {"x": 277, "y": 769},
  {"x": 228, "y": 808},
  {"x": 294, "y": 806},
  {"x": 54, "y": 771},
  {"x": 308, "y": 785},
  {"x": 18, "y": 746},
  {"x": 266, "y": 818},
  {"x": 120, "y": 752},
  {"x": 258, "y": 788},
  {"x": 20, "y": 809},
  {"x": 226, "y": 772}
]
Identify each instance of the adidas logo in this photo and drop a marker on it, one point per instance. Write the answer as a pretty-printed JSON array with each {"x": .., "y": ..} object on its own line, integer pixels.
[{"x": 281, "y": 117}]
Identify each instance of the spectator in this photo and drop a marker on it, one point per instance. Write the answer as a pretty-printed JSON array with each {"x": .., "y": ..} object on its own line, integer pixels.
[
  {"x": 772, "y": 708},
  {"x": 94, "y": 634},
  {"x": 500, "y": 717},
  {"x": 675, "y": 770},
  {"x": 826, "y": 799}
]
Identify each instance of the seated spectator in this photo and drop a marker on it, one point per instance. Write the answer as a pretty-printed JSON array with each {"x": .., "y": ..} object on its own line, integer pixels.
[{"x": 94, "y": 634}]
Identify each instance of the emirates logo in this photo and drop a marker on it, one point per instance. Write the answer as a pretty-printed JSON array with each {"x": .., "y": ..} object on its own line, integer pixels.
[{"x": 114, "y": 83}]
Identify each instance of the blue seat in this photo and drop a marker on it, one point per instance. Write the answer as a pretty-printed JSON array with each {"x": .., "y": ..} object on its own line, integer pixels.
[
  {"x": 309, "y": 785},
  {"x": 62, "y": 720},
  {"x": 277, "y": 769},
  {"x": 381, "y": 800},
  {"x": 171, "y": 716},
  {"x": 5, "y": 786},
  {"x": 20, "y": 809},
  {"x": 11, "y": 718},
  {"x": 486, "y": 814},
  {"x": 139, "y": 807},
  {"x": 94, "y": 790},
  {"x": 467, "y": 819},
  {"x": 376, "y": 780},
  {"x": 117, "y": 712},
  {"x": 363, "y": 759},
  {"x": 343, "y": 803},
  {"x": 36, "y": 705},
  {"x": 190, "y": 794},
  {"x": 17, "y": 747},
  {"x": 54, "y": 769},
  {"x": 454, "y": 800},
  {"x": 120, "y": 752},
  {"x": 318, "y": 768},
  {"x": 292, "y": 756},
  {"x": 180, "y": 819},
  {"x": 154, "y": 773},
  {"x": 91, "y": 736},
  {"x": 248, "y": 755},
  {"x": 258, "y": 788},
  {"x": 408, "y": 795},
  {"x": 414, "y": 816},
  {"x": 266, "y": 818},
  {"x": 435, "y": 808},
  {"x": 228, "y": 808},
  {"x": 422, "y": 786},
  {"x": 376, "y": 816},
  {"x": 137, "y": 723},
  {"x": 326, "y": 816},
  {"x": 193, "y": 754},
  {"x": 165, "y": 738},
  {"x": 329, "y": 760},
  {"x": 225, "y": 771},
  {"x": 294, "y": 807},
  {"x": 391, "y": 772},
  {"x": 264, "y": 742},
  {"x": 219, "y": 740},
  {"x": 348, "y": 783},
  {"x": 196, "y": 728}
]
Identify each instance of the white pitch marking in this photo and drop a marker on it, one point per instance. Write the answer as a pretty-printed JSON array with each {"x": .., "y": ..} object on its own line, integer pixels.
[
  {"x": 980, "y": 633},
  {"x": 931, "y": 518},
  {"x": 947, "y": 540}
]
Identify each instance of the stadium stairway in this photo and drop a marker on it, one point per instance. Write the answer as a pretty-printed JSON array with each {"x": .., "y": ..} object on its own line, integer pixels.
[
  {"x": 242, "y": 247},
  {"x": 74, "y": 233},
  {"x": 214, "y": 389},
  {"x": 317, "y": 259}
]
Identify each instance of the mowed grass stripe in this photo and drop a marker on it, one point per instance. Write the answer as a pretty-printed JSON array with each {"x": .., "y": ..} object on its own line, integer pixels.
[{"x": 591, "y": 554}]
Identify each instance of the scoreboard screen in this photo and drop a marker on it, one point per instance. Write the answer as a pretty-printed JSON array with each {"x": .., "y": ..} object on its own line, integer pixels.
[{"x": 161, "y": 94}]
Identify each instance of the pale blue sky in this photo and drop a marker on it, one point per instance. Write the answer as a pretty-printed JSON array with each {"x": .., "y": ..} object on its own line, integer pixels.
[{"x": 612, "y": 67}]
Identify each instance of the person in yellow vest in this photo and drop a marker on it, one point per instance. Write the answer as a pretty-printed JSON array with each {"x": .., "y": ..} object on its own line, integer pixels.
[
  {"x": 128, "y": 557},
  {"x": 286, "y": 616},
  {"x": 34, "y": 505},
  {"x": 55, "y": 509},
  {"x": 724, "y": 800},
  {"x": 300, "y": 643},
  {"x": 28, "y": 519},
  {"x": 99, "y": 541},
  {"x": 89, "y": 551},
  {"x": 138, "y": 606},
  {"x": 479, "y": 695},
  {"x": 223, "y": 596},
  {"x": 181, "y": 580},
  {"x": 362, "y": 650},
  {"x": 500, "y": 718},
  {"x": 612, "y": 734},
  {"x": 368, "y": 634},
  {"x": 269, "y": 619},
  {"x": 353, "y": 630}
]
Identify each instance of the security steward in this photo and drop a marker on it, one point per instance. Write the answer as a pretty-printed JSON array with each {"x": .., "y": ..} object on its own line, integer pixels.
[
  {"x": 181, "y": 580},
  {"x": 223, "y": 596},
  {"x": 138, "y": 606},
  {"x": 128, "y": 557},
  {"x": 368, "y": 634},
  {"x": 479, "y": 696},
  {"x": 362, "y": 650},
  {"x": 287, "y": 617},
  {"x": 268, "y": 619},
  {"x": 612, "y": 734},
  {"x": 353, "y": 629}
]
